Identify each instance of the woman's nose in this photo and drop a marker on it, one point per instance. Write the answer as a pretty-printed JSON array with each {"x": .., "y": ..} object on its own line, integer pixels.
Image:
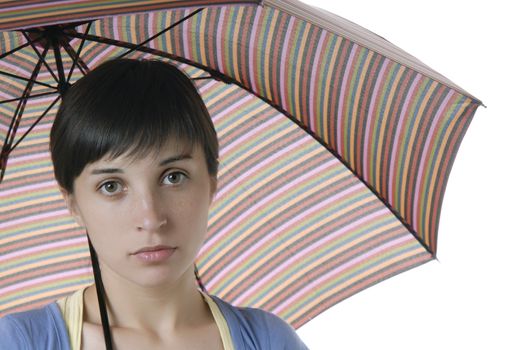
[{"x": 150, "y": 214}]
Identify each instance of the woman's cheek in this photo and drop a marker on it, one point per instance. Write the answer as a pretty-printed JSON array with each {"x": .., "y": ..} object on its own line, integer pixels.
[{"x": 103, "y": 218}]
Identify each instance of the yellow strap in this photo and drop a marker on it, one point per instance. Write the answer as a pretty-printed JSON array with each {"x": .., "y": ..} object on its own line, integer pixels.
[
  {"x": 223, "y": 327},
  {"x": 72, "y": 307}
]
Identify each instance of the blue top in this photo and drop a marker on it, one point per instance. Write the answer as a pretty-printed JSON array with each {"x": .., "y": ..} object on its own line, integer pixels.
[{"x": 250, "y": 329}]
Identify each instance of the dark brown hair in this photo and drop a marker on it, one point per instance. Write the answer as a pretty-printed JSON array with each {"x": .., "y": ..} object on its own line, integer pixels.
[{"x": 129, "y": 107}]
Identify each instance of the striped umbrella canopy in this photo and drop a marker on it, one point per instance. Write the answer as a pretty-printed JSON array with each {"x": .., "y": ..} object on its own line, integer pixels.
[{"x": 335, "y": 146}]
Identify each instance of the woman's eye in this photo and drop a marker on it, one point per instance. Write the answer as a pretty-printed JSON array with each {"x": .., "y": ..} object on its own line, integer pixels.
[
  {"x": 110, "y": 187},
  {"x": 174, "y": 178}
]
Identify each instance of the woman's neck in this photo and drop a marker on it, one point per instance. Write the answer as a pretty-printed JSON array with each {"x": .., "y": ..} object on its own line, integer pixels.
[{"x": 159, "y": 309}]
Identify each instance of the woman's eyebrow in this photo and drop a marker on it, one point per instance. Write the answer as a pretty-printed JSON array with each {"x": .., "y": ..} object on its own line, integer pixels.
[
  {"x": 175, "y": 159},
  {"x": 106, "y": 171},
  {"x": 120, "y": 171}
]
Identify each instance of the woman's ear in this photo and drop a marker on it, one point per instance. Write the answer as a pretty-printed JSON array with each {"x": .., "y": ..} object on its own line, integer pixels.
[{"x": 70, "y": 201}]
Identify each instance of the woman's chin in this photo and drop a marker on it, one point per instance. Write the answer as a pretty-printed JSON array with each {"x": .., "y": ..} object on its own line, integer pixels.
[{"x": 159, "y": 277}]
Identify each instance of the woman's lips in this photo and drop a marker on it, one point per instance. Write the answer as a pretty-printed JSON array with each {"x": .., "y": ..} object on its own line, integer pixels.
[{"x": 154, "y": 254}]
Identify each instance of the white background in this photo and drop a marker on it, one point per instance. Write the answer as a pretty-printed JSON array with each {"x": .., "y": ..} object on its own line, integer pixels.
[{"x": 472, "y": 296}]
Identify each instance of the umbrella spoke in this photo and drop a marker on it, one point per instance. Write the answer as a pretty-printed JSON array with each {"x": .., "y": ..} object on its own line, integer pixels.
[
  {"x": 76, "y": 55},
  {"x": 122, "y": 44},
  {"x": 22, "y": 102},
  {"x": 15, "y": 122},
  {"x": 3, "y": 161},
  {"x": 27, "y": 79},
  {"x": 5, "y": 54},
  {"x": 36, "y": 122},
  {"x": 161, "y": 32},
  {"x": 77, "y": 60},
  {"x": 6, "y": 149},
  {"x": 203, "y": 78},
  {"x": 28, "y": 97},
  {"x": 42, "y": 57},
  {"x": 108, "y": 41}
]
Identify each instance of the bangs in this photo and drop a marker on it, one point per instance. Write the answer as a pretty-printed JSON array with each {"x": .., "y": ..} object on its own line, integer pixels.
[{"x": 135, "y": 119}]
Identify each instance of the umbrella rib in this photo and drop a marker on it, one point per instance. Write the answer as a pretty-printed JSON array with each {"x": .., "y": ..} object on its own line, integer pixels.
[
  {"x": 27, "y": 79},
  {"x": 5, "y": 54},
  {"x": 203, "y": 78},
  {"x": 214, "y": 73},
  {"x": 37, "y": 121},
  {"x": 81, "y": 64},
  {"x": 161, "y": 32},
  {"x": 28, "y": 97},
  {"x": 22, "y": 102},
  {"x": 15, "y": 122},
  {"x": 76, "y": 55},
  {"x": 40, "y": 56}
]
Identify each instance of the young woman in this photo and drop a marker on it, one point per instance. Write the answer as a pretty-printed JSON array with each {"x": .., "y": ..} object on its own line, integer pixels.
[{"x": 135, "y": 154}]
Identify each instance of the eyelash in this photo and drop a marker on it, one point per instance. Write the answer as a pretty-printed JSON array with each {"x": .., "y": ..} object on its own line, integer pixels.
[{"x": 176, "y": 172}]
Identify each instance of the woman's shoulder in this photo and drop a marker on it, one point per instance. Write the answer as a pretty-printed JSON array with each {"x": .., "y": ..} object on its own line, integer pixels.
[
  {"x": 264, "y": 329},
  {"x": 41, "y": 328}
]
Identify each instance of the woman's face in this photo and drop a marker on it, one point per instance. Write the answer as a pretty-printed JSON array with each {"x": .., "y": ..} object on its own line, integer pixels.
[{"x": 146, "y": 218}]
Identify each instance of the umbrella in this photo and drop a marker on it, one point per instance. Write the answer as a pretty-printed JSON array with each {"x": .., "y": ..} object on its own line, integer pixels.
[{"x": 335, "y": 146}]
